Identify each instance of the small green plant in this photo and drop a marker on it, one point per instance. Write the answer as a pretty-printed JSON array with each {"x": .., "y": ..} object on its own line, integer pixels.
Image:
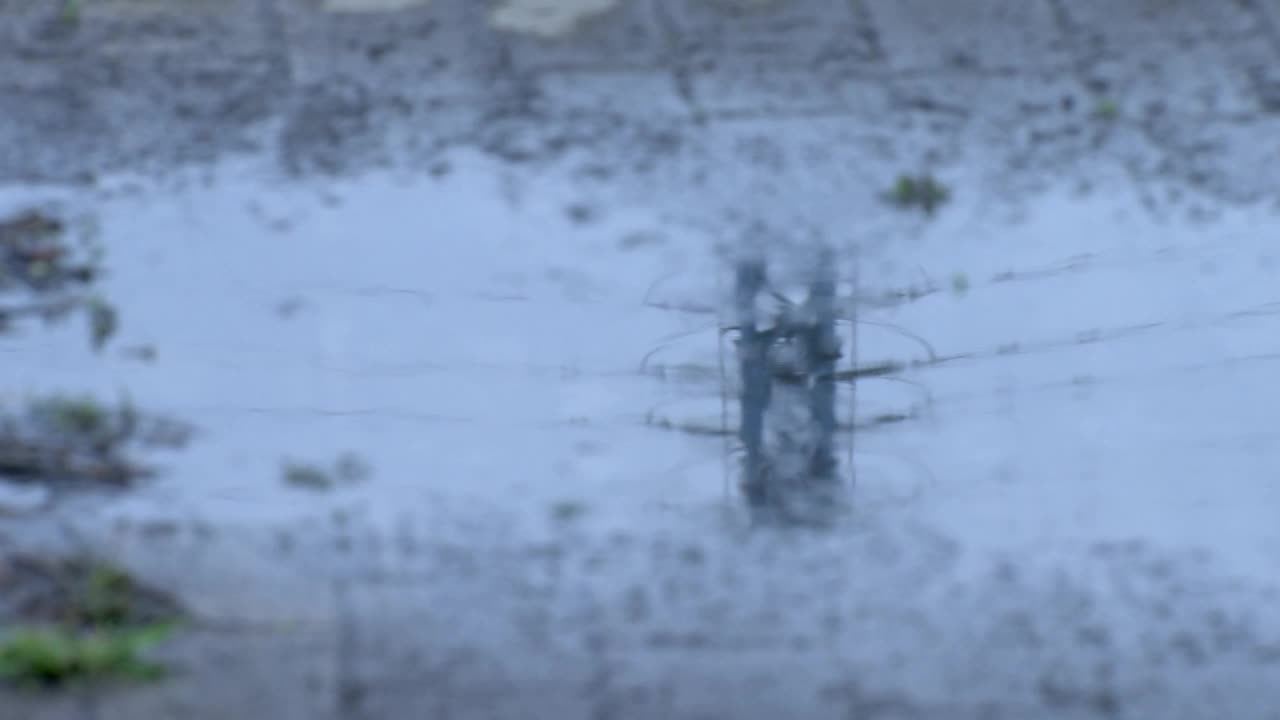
[
  {"x": 84, "y": 620},
  {"x": 56, "y": 656},
  {"x": 922, "y": 192},
  {"x": 107, "y": 598},
  {"x": 1107, "y": 109}
]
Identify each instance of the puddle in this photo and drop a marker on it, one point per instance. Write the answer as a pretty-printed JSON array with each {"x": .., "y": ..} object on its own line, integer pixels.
[
  {"x": 540, "y": 401},
  {"x": 464, "y": 346},
  {"x": 1102, "y": 374}
]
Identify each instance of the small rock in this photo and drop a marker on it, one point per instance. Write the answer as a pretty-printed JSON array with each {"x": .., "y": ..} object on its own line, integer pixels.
[{"x": 24, "y": 499}]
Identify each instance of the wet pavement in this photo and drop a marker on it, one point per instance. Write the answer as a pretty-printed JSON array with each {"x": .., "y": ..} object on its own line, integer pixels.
[{"x": 492, "y": 269}]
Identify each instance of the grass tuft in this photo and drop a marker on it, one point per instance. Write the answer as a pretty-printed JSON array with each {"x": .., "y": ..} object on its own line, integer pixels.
[
  {"x": 56, "y": 656},
  {"x": 922, "y": 192}
]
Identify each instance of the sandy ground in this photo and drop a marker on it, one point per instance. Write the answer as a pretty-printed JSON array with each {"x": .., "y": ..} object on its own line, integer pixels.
[{"x": 492, "y": 265}]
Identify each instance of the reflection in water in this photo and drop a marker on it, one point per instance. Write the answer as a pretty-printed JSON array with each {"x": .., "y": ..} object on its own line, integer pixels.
[{"x": 1039, "y": 456}]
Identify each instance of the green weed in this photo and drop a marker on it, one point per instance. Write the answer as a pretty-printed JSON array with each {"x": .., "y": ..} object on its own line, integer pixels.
[
  {"x": 56, "y": 656},
  {"x": 922, "y": 192},
  {"x": 1107, "y": 109}
]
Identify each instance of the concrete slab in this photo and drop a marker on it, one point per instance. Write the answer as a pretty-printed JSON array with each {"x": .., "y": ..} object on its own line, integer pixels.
[
  {"x": 627, "y": 36},
  {"x": 785, "y": 34},
  {"x": 548, "y": 20},
  {"x": 986, "y": 36},
  {"x": 1118, "y": 25},
  {"x": 636, "y": 93}
]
